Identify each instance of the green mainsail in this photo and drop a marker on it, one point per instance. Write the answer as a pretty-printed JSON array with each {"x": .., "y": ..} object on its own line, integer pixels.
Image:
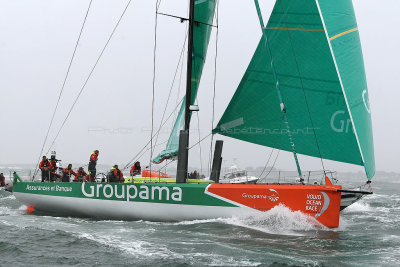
[
  {"x": 316, "y": 53},
  {"x": 203, "y": 16}
]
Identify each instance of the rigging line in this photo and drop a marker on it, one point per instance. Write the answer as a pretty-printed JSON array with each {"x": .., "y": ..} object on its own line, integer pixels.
[
  {"x": 214, "y": 89},
  {"x": 200, "y": 141},
  {"x": 129, "y": 163},
  {"x": 144, "y": 152},
  {"x": 181, "y": 74},
  {"x": 90, "y": 74},
  {"x": 172, "y": 86},
  {"x": 137, "y": 157},
  {"x": 154, "y": 82},
  {"x": 63, "y": 86},
  {"x": 166, "y": 164},
  {"x": 278, "y": 89},
  {"x": 265, "y": 167},
  {"x": 281, "y": 136},
  {"x": 273, "y": 165},
  {"x": 198, "y": 129},
  {"x": 304, "y": 93},
  {"x": 186, "y": 19}
]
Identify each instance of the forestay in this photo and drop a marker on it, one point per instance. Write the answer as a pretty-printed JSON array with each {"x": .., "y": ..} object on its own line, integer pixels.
[
  {"x": 203, "y": 16},
  {"x": 316, "y": 54}
]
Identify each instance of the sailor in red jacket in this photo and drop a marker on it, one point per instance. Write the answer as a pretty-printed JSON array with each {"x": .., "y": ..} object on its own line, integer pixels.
[
  {"x": 44, "y": 166},
  {"x": 81, "y": 175},
  {"x": 115, "y": 175},
  {"x": 92, "y": 163},
  {"x": 53, "y": 169},
  {"x": 2, "y": 180},
  {"x": 136, "y": 169},
  {"x": 67, "y": 172}
]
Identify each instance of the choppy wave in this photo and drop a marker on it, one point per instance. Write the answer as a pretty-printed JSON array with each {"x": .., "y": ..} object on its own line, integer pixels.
[
  {"x": 280, "y": 220},
  {"x": 358, "y": 207}
]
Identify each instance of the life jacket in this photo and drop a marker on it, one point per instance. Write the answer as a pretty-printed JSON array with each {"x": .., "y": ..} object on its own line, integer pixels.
[
  {"x": 2, "y": 180},
  {"x": 80, "y": 175},
  {"x": 114, "y": 175},
  {"x": 67, "y": 174},
  {"x": 44, "y": 164},
  {"x": 93, "y": 157},
  {"x": 135, "y": 170},
  {"x": 52, "y": 166}
]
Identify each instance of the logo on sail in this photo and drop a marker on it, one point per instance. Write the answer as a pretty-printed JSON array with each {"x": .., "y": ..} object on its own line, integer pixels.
[
  {"x": 366, "y": 100},
  {"x": 340, "y": 122}
]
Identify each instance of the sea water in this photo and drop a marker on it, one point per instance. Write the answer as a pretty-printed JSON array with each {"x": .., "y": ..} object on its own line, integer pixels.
[{"x": 369, "y": 235}]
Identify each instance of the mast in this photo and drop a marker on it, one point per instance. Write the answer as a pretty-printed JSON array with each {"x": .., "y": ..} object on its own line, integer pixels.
[
  {"x": 184, "y": 135},
  {"x": 189, "y": 66},
  {"x": 282, "y": 103}
]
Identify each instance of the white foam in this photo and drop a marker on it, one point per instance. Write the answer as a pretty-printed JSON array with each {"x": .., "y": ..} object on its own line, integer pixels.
[
  {"x": 279, "y": 220},
  {"x": 230, "y": 261},
  {"x": 9, "y": 211},
  {"x": 137, "y": 248},
  {"x": 358, "y": 207},
  {"x": 8, "y": 197},
  {"x": 5, "y": 210}
]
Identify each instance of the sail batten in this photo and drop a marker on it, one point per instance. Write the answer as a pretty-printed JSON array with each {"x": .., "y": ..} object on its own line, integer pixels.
[{"x": 317, "y": 102}]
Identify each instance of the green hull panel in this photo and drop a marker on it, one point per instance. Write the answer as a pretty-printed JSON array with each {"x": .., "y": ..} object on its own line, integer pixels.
[{"x": 186, "y": 194}]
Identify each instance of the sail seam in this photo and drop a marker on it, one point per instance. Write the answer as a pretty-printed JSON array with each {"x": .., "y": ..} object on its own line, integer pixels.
[
  {"x": 293, "y": 29},
  {"x": 341, "y": 82},
  {"x": 343, "y": 33}
]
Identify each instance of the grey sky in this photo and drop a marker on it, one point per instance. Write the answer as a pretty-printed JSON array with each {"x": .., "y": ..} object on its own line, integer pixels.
[{"x": 114, "y": 112}]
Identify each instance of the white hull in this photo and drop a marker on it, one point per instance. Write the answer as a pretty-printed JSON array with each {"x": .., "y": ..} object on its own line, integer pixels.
[{"x": 240, "y": 180}]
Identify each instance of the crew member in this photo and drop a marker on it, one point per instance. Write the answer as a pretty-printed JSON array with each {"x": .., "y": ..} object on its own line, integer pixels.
[
  {"x": 67, "y": 172},
  {"x": 93, "y": 163},
  {"x": 44, "y": 166},
  {"x": 53, "y": 168},
  {"x": 81, "y": 175},
  {"x": 115, "y": 175},
  {"x": 2, "y": 180},
  {"x": 136, "y": 169}
]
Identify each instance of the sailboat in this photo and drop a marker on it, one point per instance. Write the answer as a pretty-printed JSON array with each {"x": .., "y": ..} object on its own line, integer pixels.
[{"x": 304, "y": 91}]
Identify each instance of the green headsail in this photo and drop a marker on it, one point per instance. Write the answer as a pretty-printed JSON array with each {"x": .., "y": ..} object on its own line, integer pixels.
[
  {"x": 316, "y": 54},
  {"x": 203, "y": 16}
]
